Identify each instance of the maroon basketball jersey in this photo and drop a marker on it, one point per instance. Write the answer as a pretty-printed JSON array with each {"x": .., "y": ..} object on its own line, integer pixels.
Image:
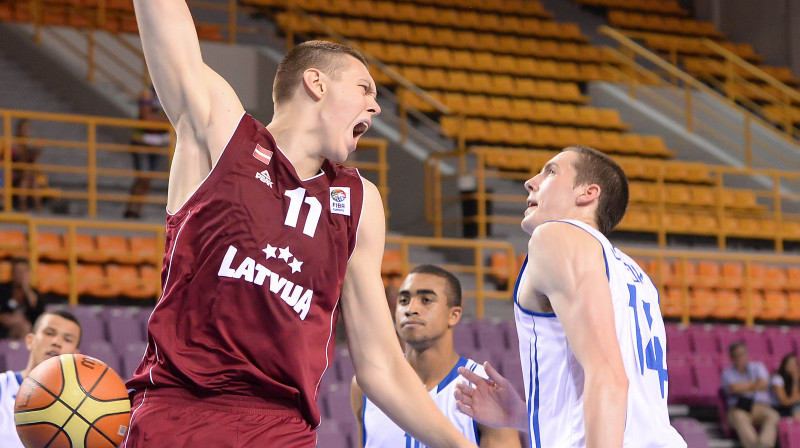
[{"x": 252, "y": 275}]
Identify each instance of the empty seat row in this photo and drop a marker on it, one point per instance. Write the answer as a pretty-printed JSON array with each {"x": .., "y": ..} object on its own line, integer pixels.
[
  {"x": 700, "y": 222},
  {"x": 666, "y": 7},
  {"x": 417, "y": 35},
  {"x": 537, "y": 111},
  {"x": 689, "y": 45},
  {"x": 118, "y": 17},
  {"x": 662, "y": 24},
  {"x": 718, "y": 69},
  {"x": 724, "y": 303},
  {"x": 89, "y": 248},
  {"x": 135, "y": 282},
  {"x": 722, "y": 274},
  {"x": 695, "y": 196},
  {"x": 489, "y": 61},
  {"x": 524, "y": 134},
  {"x": 636, "y": 168},
  {"x": 445, "y": 17},
  {"x": 523, "y": 8},
  {"x": 486, "y": 84}
]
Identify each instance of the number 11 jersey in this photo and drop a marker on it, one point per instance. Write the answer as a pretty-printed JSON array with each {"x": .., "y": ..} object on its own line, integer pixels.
[{"x": 252, "y": 274}]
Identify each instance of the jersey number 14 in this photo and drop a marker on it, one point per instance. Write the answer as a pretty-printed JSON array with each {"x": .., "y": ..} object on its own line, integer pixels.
[{"x": 651, "y": 355}]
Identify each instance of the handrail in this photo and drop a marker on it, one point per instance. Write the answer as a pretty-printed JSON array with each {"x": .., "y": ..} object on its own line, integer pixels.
[
  {"x": 34, "y": 224},
  {"x": 752, "y": 69},
  {"x": 92, "y": 146},
  {"x": 478, "y": 269},
  {"x": 775, "y": 194},
  {"x": 676, "y": 76}
]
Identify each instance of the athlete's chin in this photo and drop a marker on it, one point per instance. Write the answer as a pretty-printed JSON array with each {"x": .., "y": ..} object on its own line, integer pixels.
[{"x": 528, "y": 224}]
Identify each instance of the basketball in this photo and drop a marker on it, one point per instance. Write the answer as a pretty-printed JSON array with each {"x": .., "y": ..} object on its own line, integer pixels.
[{"x": 72, "y": 401}]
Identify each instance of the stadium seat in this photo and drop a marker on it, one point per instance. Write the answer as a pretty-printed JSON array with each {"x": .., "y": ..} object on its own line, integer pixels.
[
  {"x": 681, "y": 386},
  {"x": 707, "y": 382},
  {"x": 489, "y": 336},
  {"x": 703, "y": 340},
  {"x": 51, "y": 246},
  {"x": 13, "y": 243},
  {"x": 53, "y": 278},
  {"x": 776, "y": 305},
  {"x": 728, "y": 304},
  {"x": 144, "y": 249}
]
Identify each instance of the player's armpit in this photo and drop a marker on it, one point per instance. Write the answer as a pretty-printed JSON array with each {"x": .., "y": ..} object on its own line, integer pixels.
[
  {"x": 200, "y": 104},
  {"x": 566, "y": 265}
]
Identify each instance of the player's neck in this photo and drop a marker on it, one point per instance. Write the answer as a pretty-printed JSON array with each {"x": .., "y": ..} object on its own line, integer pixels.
[
  {"x": 432, "y": 363},
  {"x": 300, "y": 144}
]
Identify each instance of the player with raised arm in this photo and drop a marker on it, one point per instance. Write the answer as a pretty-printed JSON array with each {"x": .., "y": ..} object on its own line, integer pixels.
[
  {"x": 428, "y": 307},
  {"x": 265, "y": 234},
  {"x": 591, "y": 335}
]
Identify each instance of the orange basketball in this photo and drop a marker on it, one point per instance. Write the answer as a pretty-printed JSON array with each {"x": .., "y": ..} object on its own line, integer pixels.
[{"x": 72, "y": 401}]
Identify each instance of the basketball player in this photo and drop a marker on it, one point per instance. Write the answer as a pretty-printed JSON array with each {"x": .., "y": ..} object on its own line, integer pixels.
[
  {"x": 591, "y": 335},
  {"x": 428, "y": 307},
  {"x": 265, "y": 233},
  {"x": 54, "y": 333}
]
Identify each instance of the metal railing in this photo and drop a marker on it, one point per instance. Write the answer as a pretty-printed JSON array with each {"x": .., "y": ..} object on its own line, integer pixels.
[
  {"x": 481, "y": 249},
  {"x": 33, "y": 226},
  {"x": 90, "y": 146},
  {"x": 690, "y": 88},
  {"x": 776, "y": 196}
]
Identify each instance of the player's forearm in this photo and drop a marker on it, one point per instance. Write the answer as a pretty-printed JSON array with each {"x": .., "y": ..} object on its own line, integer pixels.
[
  {"x": 171, "y": 49},
  {"x": 605, "y": 406},
  {"x": 398, "y": 392}
]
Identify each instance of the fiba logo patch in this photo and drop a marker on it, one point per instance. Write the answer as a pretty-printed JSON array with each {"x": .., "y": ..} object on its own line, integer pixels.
[{"x": 340, "y": 200}]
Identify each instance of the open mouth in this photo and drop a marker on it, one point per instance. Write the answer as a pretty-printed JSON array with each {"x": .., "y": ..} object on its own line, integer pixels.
[
  {"x": 51, "y": 354},
  {"x": 360, "y": 129}
]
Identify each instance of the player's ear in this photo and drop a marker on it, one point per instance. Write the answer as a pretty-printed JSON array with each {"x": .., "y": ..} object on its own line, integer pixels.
[
  {"x": 455, "y": 315},
  {"x": 29, "y": 341},
  {"x": 588, "y": 193},
  {"x": 314, "y": 84}
]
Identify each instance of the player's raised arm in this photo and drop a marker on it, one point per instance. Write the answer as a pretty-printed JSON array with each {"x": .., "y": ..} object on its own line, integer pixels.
[
  {"x": 199, "y": 103},
  {"x": 382, "y": 371},
  {"x": 566, "y": 265}
]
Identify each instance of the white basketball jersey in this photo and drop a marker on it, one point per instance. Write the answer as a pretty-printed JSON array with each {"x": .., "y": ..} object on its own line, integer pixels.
[
  {"x": 9, "y": 386},
  {"x": 380, "y": 432},
  {"x": 554, "y": 379}
]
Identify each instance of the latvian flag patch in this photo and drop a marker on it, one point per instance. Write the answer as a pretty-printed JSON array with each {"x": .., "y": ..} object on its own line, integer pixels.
[{"x": 264, "y": 155}]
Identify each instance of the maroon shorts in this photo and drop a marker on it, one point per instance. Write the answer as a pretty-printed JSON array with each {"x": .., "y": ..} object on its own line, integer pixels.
[{"x": 176, "y": 419}]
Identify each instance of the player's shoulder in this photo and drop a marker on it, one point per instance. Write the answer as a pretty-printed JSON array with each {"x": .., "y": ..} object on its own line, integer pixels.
[{"x": 556, "y": 236}]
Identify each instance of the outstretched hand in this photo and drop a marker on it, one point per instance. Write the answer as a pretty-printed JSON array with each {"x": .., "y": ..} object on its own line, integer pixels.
[{"x": 492, "y": 402}]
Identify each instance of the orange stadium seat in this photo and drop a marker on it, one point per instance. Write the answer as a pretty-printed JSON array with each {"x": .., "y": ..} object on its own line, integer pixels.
[
  {"x": 776, "y": 305},
  {"x": 5, "y": 271},
  {"x": 672, "y": 303},
  {"x": 151, "y": 280},
  {"x": 51, "y": 246},
  {"x": 91, "y": 280},
  {"x": 732, "y": 274},
  {"x": 114, "y": 248},
  {"x": 702, "y": 303},
  {"x": 774, "y": 278},
  {"x": 52, "y": 278},
  {"x": 13, "y": 243},
  {"x": 793, "y": 278},
  {"x": 756, "y": 306},
  {"x": 793, "y": 311},
  {"x": 708, "y": 274},
  {"x": 728, "y": 304},
  {"x": 144, "y": 249}
]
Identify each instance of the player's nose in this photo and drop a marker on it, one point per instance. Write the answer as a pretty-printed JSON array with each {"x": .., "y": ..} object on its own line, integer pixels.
[{"x": 374, "y": 108}]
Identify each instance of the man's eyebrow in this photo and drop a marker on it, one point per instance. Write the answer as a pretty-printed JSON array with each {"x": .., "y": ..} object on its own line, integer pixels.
[{"x": 548, "y": 165}]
